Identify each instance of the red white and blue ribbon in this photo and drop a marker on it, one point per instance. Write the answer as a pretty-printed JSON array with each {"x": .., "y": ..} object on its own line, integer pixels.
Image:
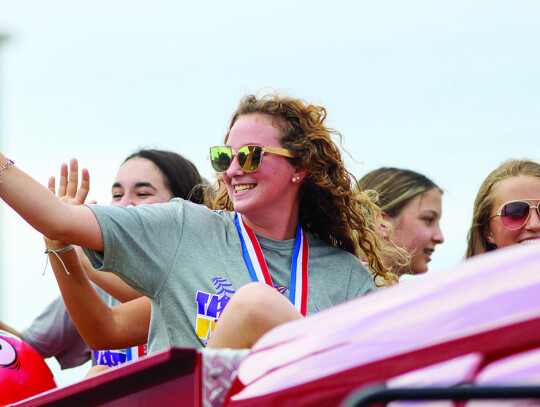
[{"x": 258, "y": 270}]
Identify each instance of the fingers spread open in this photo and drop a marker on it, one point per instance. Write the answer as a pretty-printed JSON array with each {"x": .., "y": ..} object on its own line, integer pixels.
[
  {"x": 62, "y": 182},
  {"x": 83, "y": 190},
  {"x": 73, "y": 181},
  {"x": 51, "y": 185}
]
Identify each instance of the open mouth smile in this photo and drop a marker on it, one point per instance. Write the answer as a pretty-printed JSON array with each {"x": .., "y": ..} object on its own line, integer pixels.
[
  {"x": 531, "y": 240},
  {"x": 243, "y": 187}
]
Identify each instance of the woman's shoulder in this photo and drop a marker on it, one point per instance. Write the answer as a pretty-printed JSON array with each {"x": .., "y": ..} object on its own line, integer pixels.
[
  {"x": 201, "y": 209},
  {"x": 201, "y": 215},
  {"x": 319, "y": 247},
  {"x": 341, "y": 262}
]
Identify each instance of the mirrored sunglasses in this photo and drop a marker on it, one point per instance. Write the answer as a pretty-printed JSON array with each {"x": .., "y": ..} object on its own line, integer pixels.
[
  {"x": 249, "y": 157},
  {"x": 515, "y": 214}
]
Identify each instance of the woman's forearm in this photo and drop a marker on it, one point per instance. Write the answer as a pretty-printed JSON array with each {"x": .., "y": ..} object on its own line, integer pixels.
[
  {"x": 47, "y": 213},
  {"x": 113, "y": 285},
  {"x": 101, "y": 326},
  {"x": 10, "y": 329}
]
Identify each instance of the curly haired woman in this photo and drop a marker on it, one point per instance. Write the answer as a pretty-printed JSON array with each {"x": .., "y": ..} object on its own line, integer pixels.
[{"x": 292, "y": 221}]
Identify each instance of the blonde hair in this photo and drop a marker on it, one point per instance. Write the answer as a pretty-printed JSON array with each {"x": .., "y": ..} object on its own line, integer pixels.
[
  {"x": 392, "y": 188},
  {"x": 330, "y": 207},
  {"x": 476, "y": 240}
]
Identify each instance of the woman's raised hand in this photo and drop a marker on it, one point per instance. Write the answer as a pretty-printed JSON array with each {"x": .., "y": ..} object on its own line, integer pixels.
[
  {"x": 69, "y": 189},
  {"x": 70, "y": 192},
  {"x": 49, "y": 214}
]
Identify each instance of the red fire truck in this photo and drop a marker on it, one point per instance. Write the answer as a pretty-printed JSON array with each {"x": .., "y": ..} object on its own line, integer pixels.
[{"x": 467, "y": 333}]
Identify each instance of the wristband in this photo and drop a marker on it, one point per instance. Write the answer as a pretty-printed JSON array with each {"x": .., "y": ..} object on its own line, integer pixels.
[{"x": 56, "y": 251}]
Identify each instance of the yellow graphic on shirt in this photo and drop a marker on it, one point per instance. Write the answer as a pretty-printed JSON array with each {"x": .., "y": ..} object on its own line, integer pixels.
[
  {"x": 204, "y": 327},
  {"x": 210, "y": 306}
]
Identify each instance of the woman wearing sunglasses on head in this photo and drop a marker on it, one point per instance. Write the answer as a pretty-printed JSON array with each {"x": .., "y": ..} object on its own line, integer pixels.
[
  {"x": 287, "y": 216},
  {"x": 412, "y": 203},
  {"x": 506, "y": 209}
]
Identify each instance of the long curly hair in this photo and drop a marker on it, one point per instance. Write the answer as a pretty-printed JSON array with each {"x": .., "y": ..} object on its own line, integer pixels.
[
  {"x": 476, "y": 239},
  {"x": 330, "y": 205}
]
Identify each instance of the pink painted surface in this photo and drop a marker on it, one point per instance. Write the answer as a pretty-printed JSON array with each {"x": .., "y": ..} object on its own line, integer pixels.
[
  {"x": 489, "y": 304},
  {"x": 520, "y": 369},
  {"x": 444, "y": 374},
  {"x": 454, "y": 371}
]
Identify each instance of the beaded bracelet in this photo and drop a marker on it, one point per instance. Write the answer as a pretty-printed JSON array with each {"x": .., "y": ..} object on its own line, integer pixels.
[
  {"x": 56, "y": 251},
  {"x": 6, "y": 166}
]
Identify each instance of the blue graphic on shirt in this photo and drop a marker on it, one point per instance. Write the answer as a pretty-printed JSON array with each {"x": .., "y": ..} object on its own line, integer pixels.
[
  {"x": 210, "y": 306},
  {"x": 110, "y": 357}
]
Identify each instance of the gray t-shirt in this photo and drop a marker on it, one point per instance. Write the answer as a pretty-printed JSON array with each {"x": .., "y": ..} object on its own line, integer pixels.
[
  {"x": 53, "y": 334},
  {"x": 188, "y": 260}
]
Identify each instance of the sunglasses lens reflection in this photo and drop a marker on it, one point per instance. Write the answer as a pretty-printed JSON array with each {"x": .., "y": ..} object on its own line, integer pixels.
[
  {"x": 515, "y": 214},
  {"x": 249, "y": 158},
  {"x": 221, "y": 158}
]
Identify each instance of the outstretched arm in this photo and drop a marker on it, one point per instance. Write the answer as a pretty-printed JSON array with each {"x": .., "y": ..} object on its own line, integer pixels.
[
  {"x": 101, "y": 326},
  {"x": 47, "y": 213},
  {"x": 7, "y": 328},
  {"x": 70, "y": 191}
]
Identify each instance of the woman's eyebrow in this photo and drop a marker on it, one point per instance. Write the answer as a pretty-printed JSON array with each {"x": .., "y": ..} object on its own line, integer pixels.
[
  {"x": 144, "y": 184},
  {"x": 137, "y": 185}
]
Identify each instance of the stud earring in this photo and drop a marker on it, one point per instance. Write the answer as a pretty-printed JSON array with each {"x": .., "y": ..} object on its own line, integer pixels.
[{"x": 294, "y": 179}]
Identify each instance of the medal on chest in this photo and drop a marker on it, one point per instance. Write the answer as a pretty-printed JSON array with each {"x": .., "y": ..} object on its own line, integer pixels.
[{"x": 258, "y": 270}]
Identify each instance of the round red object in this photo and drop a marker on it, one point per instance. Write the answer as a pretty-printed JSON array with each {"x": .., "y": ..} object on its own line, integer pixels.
[{"x": 23, "y": 372}]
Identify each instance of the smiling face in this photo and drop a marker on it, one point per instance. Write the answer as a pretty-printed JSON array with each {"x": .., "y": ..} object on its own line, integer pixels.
[
  {"x": 269, "y": 191},
  {"x": 417, "y": 229},
  {"x": 139, "y": 181},
  {"x": 517, "y": 188}
]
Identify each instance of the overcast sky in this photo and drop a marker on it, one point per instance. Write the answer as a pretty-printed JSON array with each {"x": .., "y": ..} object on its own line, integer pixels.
[{"x": 446, "y": 88}]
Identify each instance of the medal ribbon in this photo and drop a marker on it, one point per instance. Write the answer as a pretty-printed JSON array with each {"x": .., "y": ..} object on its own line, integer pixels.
[{"x": 258, "y": 270}]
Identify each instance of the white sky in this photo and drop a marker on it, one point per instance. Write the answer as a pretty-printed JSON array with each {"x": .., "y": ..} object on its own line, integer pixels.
[{"x": 446, "y": 88}]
